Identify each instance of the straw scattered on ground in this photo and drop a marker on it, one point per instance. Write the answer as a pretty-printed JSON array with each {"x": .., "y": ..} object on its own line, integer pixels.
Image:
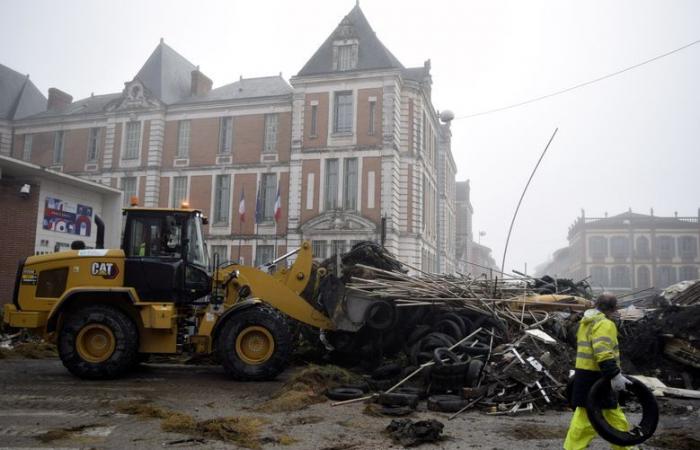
[
  {"x": 242, "y": 430},
  {"x": 306, "y": 388},
  {"x": 29, "y": 350}
]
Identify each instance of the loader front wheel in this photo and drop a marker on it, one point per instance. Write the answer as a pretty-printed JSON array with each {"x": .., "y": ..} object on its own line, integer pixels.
[
  {"x": 98, "y": 342},
  {"x": 255, "y": 344}
]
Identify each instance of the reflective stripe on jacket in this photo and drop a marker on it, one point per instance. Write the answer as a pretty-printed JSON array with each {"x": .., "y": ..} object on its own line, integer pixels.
[{"x": 596, "y": 341}]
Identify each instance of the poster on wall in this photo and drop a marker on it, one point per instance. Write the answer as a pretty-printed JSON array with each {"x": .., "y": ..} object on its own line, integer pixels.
[{"x": 66, "y": 217}]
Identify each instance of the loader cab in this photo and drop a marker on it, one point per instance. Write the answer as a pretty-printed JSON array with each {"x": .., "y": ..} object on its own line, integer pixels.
[{"x": 166, "y": 259}]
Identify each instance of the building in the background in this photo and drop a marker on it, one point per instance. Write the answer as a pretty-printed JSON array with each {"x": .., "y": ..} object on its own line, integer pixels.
[
  {"x": 366, "y": 152},
  {"x": 630, "y": 251},
  {"x": 354, "y": 150},
  {"x": 45, "y": 211},
  {"x": 19, "y": 98},
  {"x": 471, "y": 256}
]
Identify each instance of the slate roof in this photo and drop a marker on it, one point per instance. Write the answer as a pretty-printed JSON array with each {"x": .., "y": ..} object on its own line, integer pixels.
[
  {"x": 371, "y": 52},
  {"x": 19, "y": 97},
  {"x": 244, "y": 88},
  {"x": 417, "y": 74},
  {"x": 95, "y": 104},
  {"x": 167, "y": 74}
]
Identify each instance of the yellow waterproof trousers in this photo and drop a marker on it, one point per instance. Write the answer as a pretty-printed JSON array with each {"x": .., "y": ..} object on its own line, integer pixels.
[{"x": 581, "y": 432}]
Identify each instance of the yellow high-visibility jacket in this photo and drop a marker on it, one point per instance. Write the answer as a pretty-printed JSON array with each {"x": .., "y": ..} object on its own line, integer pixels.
[
  {"x": 597, "y": 355},
  {"x": 596, "y": 342}
]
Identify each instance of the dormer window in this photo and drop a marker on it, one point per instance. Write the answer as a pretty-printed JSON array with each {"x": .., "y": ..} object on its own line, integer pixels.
[{"x": 345, "y": 55}]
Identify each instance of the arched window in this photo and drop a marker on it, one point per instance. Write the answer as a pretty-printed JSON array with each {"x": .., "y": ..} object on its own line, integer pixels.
[
  {"x": 620, "y": 276},
  {"x": 598, "y": 246},
  {"x": 643, "y": 277},
  {"x": 688, "y": 273},
  {"x": 599, "y": 276},
  {"x": 666, "y": 276},
  {"x": 687, "y": 247},
  {"x": 643, "y": 247},
  {"x": 619, "y": 247},
  {"x": 665, "y": 248}
]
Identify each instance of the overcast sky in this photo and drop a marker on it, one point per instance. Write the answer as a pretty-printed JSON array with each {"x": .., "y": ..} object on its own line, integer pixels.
[{"x": 632, "y": 141}]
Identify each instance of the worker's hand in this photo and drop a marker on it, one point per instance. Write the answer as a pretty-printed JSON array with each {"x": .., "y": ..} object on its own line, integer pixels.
[{"x": 619, "y": 383}]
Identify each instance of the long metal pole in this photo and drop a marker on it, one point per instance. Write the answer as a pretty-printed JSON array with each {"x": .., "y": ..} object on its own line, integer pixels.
[{"x": 515, "y": 214}]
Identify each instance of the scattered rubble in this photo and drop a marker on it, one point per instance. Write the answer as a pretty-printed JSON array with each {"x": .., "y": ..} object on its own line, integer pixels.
[{"x": 408, "y": 433}]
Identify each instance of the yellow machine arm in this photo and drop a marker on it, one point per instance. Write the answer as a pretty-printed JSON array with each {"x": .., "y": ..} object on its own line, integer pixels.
[{"x": 280, "y": 290}]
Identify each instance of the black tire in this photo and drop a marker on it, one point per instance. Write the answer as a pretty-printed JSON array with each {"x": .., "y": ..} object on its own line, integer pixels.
[
  {"x": 126, "y": 342},
  {"x": 267, "y": 320},
  {"x": 396, "y": 411},
  {"x": 418, "y": 333},
  {"x": 420, "y": 392},
  {"x": 436, "y": 339},
  {"x": 344, "y": 393},
  {"x": 380, "y": 315},
  {"x": 398, "y": 399},
  {"x": 451, "y": 328},
  {"x": 639, "y": 433},
  {"x": 473, "y": 372},
  {"x": 381, "y": 385},
  {"x": 441, "y": 353},
  {"x": 386, "y": 371},
  {"x": 446, "y": 403},
  {"x": 478, "y": 349}
]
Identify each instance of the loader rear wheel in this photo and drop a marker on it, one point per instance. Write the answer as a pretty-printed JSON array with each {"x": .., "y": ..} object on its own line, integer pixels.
[
  {"x": 98, "y": 342},
  {"x": 255, "y": 344}
]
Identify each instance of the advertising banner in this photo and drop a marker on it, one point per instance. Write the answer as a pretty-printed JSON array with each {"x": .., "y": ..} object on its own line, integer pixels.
[{"x": 66, "y": 217}]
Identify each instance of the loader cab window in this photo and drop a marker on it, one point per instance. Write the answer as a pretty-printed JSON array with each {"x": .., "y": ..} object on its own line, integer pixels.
[
  {"x": 196, "y": 251},
  {"x": 155, "y": 237}
]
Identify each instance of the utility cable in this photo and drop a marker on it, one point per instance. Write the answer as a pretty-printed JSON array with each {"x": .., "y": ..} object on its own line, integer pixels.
[{"x": 580, "y": 85}]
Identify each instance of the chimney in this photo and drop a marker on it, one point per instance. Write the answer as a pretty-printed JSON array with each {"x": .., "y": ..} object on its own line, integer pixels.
[
  {"x": 58, "y": 99},
  {"x": 201, "y": 84}
]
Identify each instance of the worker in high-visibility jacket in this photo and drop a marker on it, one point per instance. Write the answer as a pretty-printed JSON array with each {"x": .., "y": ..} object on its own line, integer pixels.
[{"x": 597, "y": 355}]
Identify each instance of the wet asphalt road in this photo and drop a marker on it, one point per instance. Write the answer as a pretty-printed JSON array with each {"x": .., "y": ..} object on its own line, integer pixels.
[{"x": 40, "y": 396}]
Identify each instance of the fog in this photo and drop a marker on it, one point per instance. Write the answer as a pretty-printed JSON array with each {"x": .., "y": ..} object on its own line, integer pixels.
[{"x": 630, "y": 141}]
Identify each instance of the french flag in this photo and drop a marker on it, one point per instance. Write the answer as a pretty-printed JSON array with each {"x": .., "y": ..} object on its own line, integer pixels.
[
  {"x": 241, "y": 207},
  {"x": 278, "y": 206}
]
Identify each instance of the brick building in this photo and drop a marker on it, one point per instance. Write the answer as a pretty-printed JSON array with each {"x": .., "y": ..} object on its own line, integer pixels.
[
  {"x": 630, "y": 251},
  {"x": 353, "y": 148}
]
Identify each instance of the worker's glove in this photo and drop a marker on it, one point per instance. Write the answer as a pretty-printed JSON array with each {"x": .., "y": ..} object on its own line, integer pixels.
[{"x": 619, "y": 383}]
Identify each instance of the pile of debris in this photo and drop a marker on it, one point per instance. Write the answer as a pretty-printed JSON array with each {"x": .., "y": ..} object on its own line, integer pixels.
[
  {"x": 453, "y": 340},
  {"x": 504, "y": 344}
]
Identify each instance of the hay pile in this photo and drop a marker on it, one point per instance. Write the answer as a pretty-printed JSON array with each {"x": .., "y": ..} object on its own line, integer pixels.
[
  {"x": 243, "y": 431},
  {"x": 306, "y": 388}
]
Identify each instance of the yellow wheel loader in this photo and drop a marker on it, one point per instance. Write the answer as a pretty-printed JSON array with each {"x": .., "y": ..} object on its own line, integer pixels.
[{"x": 108, "y": 309}]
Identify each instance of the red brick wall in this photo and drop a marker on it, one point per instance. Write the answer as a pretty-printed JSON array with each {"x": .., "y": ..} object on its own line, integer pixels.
[
  {"x": 321, "y": 138},
  {"x": 18, "y": 233},
  {"x": 163, "y": 199},
  {"x": 17, "y": 146},
  {"x": 75, "y": 150},
  {"x": 200, "y": 195},
  {"x": 204, "y": 141},
  {"x": 42, "y": 148},
  {"x": 284, "y": 135},
  {"x": 248, "y": 136},
  {"x": 170, "y": 142},
  {"x": 363, "y": 136}
]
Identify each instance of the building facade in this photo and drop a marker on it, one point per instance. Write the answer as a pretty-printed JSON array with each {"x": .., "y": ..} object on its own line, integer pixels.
[
  {"x": 630, "y": 251},
  {"x": 352, "y": 150},
  {"x": 471, "y": 257}
]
